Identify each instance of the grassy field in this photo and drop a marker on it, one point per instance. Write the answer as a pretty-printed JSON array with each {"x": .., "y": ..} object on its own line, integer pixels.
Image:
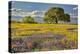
[
  {"x": 64, "y": 35},
  {"x": 28, "y": 29}
]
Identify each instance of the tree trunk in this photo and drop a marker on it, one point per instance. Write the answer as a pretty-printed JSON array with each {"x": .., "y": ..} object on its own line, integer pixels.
[{"x": 56, "y": 21}]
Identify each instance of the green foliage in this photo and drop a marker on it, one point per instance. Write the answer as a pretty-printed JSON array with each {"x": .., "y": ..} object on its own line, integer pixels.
[
  {"x": 28, "y": 19},
  {"x": 67, "y": 17},
  {"x": 54, "y": 14}
]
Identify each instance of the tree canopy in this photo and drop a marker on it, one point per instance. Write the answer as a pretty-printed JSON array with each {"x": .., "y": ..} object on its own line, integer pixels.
[{"x": 54, "y": 14}]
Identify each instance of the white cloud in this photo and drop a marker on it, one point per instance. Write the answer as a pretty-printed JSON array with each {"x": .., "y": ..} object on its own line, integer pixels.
[
  {"x": 22, "y": 13},
  {"x": 19, "y": 12},
  {"x": 16, "y": 9},
  {"x": 75, "y": 8},
  {"x": 38, "y": 13},
  {"x": 73, "y": 16}
]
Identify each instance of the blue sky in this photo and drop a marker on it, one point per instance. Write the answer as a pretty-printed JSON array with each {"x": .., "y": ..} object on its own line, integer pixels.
[{"x": 26, "y": 8}]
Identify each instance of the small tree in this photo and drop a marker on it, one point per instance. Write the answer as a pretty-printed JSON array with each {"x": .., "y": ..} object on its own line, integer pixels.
[
  {"x": 28, "y": 19},
  {"x": 67, "y": 17}
]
